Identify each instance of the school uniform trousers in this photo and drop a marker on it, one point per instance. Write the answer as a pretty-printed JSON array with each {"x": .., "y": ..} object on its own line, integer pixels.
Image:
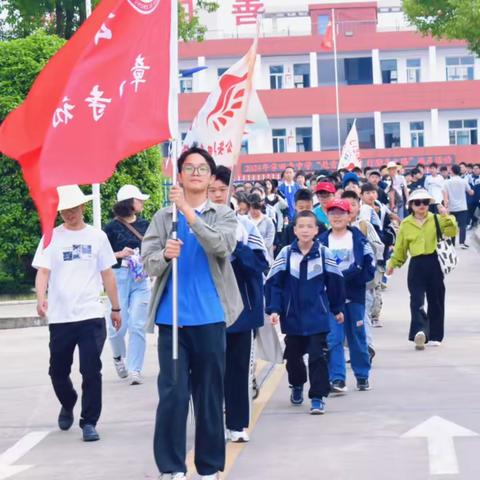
[
  {"x": 425, "y": 279},
  {"x": 296, "y": 346},
  {"x": 89, "y": 336},
  {"x": 200, "y": 373}
]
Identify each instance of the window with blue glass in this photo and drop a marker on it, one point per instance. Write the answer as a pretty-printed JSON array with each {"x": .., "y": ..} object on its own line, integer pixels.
[
  {"x": 366, "y": 131},
  {"x": 301, "y": 75},
  {"x": 358, "y": 71},
  {"x": 322, "y": 24},
  {"x": 304, "y": 139}
]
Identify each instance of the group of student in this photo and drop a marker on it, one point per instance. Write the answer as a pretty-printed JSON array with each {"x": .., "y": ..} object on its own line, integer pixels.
[{"x": 310, "y": 255}]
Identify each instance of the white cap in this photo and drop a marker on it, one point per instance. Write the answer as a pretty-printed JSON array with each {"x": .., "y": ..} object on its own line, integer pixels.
[
  {"x": 131, "y": 191},
  {"x": 420, "y": 194},
  {"x": 70, "y": 196},
  {"x": 392, "y": 164}
]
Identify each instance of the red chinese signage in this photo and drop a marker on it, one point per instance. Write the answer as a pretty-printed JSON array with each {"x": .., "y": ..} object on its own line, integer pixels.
[{"x": 246, "y": 11}]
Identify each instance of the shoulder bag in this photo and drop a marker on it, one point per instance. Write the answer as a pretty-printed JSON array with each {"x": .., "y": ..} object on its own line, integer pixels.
[{"x": 447, "y": 256}]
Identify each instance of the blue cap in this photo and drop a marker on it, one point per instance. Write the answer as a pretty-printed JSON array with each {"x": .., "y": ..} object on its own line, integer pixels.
[{"x": 350, "y": 177}]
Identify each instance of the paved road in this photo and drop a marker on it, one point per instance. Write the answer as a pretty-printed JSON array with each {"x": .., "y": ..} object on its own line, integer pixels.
[{"x": 359, "y": 438}]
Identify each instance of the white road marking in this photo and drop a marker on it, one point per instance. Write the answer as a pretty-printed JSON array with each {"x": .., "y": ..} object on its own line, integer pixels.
[
  {"x": 13, "y": 454},
  {"x": 441, "y": 448}
]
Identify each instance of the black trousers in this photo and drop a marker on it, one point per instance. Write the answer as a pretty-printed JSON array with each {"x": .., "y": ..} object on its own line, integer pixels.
[
  {"x": 317, "y": 349},
  {"x": 200, "y": 372},
  {"x": 472, "y": 219},
  {"x": 89, "y": 336},
  {"x": 425, "y": 279},
  {"x": 237, "y": 375},
  {"x": 462, "y": 220}
]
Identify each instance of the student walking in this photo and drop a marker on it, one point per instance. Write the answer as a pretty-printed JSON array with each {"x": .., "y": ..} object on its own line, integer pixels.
[
  {"x": 125, "y": 234},
  {"x": 73, "y": 267},
  {"x": 304, "y": 288},
  {"x": 208, "y": 302},
  {"x": 354, "y": 257},
  {"x": 418, "y": 237}
]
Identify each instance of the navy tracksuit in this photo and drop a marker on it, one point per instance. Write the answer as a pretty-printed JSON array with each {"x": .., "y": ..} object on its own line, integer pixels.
[
  {"x": 357, "y": 275},
  {"x": 304, "y": 291}
]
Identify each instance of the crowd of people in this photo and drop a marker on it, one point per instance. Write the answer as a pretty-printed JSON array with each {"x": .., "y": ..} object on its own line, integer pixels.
[{"x": 310, "y": 252}]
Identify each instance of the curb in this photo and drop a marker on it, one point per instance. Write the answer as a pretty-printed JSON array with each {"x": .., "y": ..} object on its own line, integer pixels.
[{"x": 22, "y": 322}]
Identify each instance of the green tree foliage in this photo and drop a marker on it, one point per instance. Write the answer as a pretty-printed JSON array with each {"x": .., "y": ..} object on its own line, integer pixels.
[{"x": 453, "y": 19}]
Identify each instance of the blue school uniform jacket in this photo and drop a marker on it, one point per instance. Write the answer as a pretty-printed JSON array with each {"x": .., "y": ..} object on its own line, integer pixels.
[
  {"x": 303, "y": 290},
  {"x": 361, "y": 271},
  {"x": 249, "y": 261}
]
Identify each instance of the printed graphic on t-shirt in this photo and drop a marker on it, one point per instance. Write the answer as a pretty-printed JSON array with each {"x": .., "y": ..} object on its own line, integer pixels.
[
  {"x": 77, "y": 252},
  {"x": 343, "y": 258}
]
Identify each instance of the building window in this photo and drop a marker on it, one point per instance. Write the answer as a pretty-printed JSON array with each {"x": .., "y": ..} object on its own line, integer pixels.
[
  {"x": 391, "y": 132},
  {"x": 322, "y": 24},
  {"x": 366, "y": 131},
  {"x": 414, "y": 68},
  {"x": 460, "y": 68},
  {"x": 186, "y": 82},
  {"x": 276, "y": 77},
  {"x": 301, "y": 75},
  {"x": 244, "y": 147},
  {"x": 417, "y": 135},
  {"x": 279, "y": 137},
  {"x": 304, "y": 139},
  {"x": 463, "y": 132},
  {"x": 221, "y": 71},
  {"x": 358, "y": 71},
  {"x": 389, "y": 71}
]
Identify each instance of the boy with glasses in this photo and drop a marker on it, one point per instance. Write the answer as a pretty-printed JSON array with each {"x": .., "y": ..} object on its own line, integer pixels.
[
  {"x": 208, "y": 302},
  {"x": 355, "y": 259}
]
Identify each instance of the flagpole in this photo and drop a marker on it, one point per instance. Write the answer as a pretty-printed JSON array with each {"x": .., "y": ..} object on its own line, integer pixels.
[
  {"x": 97, "y": 205},
  {"x": 337, "y": 95}
]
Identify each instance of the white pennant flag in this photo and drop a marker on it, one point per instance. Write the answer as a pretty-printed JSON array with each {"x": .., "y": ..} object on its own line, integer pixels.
[
  {"x": 231, "y": 110},
  {"x": 351, "y": 150}
]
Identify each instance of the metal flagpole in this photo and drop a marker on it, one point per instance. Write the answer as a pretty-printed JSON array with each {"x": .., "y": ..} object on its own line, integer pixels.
[
  {"x": 97, "y": 205},
  {"x": 337, "y": 96}
]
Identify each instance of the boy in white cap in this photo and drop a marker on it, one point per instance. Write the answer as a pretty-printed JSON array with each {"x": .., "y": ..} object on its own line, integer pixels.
[{"x": 73, "y": 267}]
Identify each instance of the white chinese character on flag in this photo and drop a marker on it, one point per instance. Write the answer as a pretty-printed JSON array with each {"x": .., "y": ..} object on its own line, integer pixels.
[
  {"x": 104, "y": 32},
  {"x": 246, "y": 11},
  {"x": 97, "y": 103},
  {"x": 63, "y": 114},
  {"x": 139, "y": 72}
]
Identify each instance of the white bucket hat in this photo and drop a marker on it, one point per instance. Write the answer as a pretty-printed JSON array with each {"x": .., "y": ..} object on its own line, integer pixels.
[
  {"x": 392, "y": 165},
  {"x": 70, "y": 196},
  {"x": 131, "y": 191},
  {"x": 420, "y": 194}
]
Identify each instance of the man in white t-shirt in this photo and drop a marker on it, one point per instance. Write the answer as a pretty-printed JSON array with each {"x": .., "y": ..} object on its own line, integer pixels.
[
  {"x": 434, "y": 184},
  {"x": 73, "y": 267}
]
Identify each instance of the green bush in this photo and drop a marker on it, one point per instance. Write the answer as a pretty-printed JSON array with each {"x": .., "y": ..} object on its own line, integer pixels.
[{"x": 20, "y": 62}]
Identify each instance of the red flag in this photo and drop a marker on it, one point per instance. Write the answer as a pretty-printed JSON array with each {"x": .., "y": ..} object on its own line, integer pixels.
[
  {"x": 327, "y": 41},
  {"x": 103, "y": 97}
]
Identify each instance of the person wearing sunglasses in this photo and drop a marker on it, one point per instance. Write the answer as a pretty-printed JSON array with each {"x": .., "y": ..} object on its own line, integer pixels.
[{"x": 418, "y": 237}]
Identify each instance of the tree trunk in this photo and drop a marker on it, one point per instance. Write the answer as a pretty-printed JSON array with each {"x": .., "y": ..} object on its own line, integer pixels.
[
  {"x": 59, "y": 30},
  {"x": 69, "y": 11}
]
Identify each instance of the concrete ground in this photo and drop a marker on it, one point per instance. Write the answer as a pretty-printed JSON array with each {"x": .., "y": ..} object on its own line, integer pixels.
[{"x": 359, "y": 438}]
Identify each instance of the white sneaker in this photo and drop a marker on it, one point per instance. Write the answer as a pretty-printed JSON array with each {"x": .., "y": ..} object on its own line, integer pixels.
[
  {"x": 136, "y": 378},
  {"x": 419, "y": 340},
  {"x": 434, "y": 343},
  {"x": 174, "y": 476},
  {"x": 120, "y": 368},
  {"x": 239, "y": 437},
  {"x": 215, "y": 476}
]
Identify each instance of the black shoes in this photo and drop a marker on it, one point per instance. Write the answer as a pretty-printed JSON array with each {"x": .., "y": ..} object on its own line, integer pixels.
[
  {"x": 89, "y": 433},
  {"x": 65, "y": 419},
  {"x": 338, "y": 387},
  {"x": 363, "y": 385}
]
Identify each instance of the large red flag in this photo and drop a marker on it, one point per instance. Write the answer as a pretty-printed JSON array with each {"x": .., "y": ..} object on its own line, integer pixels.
[
  {"x": 327, "y": 40},
  {"x": 104, "y": 96}
]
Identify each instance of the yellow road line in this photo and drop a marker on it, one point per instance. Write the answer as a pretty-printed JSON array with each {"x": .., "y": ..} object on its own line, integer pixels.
[{"x": 234, "y": 449}]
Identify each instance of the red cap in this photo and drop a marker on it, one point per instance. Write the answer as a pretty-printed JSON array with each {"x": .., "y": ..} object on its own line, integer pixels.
[
  {"x": 325, "y": 187},
  {"x": 338, "y": 203}
]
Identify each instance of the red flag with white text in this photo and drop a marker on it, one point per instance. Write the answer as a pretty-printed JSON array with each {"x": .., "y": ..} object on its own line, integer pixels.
[{"x": 103, "y": 97}]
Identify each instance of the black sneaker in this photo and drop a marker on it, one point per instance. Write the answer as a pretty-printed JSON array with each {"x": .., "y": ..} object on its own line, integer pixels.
[
  {"x": 338, "y": 387},
  {"x": 371, "y": 353},
  {"x": 296, "y": 395},
  {"x": 65, "y": 419},
  {"x": 363, "y": 385},
  {"x": 89, "y": 433}
]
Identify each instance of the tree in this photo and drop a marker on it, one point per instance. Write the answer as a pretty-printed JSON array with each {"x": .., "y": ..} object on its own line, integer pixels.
[
  {"x": 453, "y": 19},
  {"x": 63, "y": 17}
]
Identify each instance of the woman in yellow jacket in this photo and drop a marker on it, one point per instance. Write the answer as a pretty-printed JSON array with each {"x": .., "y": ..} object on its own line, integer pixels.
[{"x": 418, "y": 237}]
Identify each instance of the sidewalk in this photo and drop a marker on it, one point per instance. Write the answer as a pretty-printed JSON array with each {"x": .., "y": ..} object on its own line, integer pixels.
[{"x": 19, "y": 314}]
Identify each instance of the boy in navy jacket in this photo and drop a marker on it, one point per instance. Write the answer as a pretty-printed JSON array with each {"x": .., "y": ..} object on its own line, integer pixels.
[
  {"x": 354, "y": 257},
  {"x": 304, "y": 287}
]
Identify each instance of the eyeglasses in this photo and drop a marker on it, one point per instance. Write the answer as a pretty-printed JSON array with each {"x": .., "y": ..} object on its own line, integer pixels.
[
  {"x": 201, "y": 170},
  {"x": 417, "y": 203}
]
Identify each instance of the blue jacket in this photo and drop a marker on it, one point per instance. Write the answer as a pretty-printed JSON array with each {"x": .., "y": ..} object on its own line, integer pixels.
[
  {"x": 289, "y": 196},
  {"x": 362, "y": 269},
  {"x": 303, "y": 290},
  {"x": 249, "y": 261}
]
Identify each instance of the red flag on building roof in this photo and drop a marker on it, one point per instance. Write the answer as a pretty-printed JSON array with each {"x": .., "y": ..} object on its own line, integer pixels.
[
  {"x": 103, "y": 97},
  {"x": 327, "y": 41}
]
